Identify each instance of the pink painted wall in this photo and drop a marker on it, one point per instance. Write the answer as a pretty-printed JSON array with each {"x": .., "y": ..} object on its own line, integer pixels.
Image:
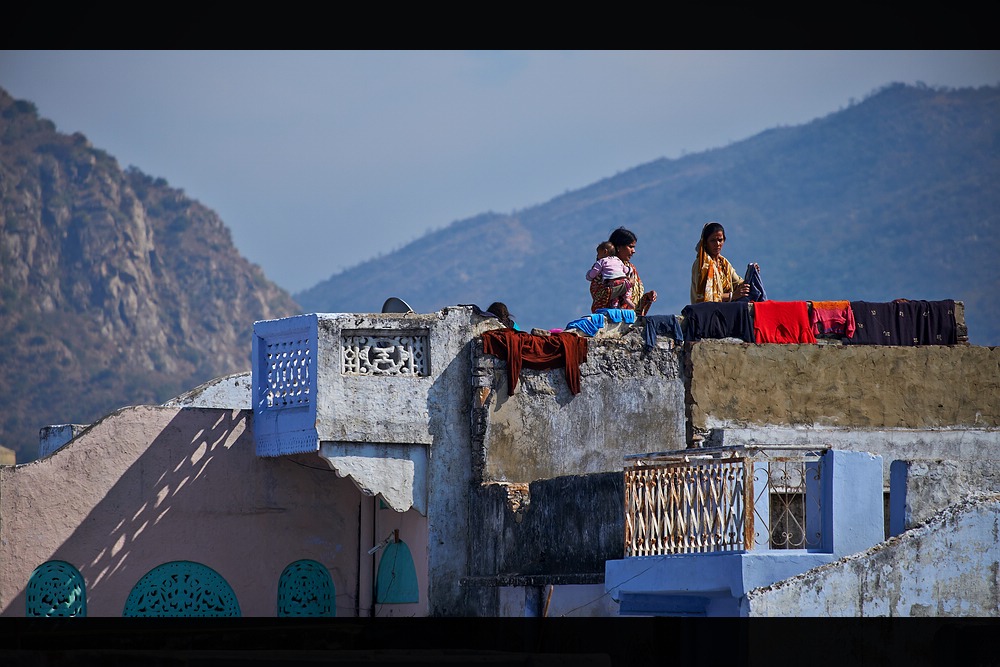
[{"x": 148, "y": 485}]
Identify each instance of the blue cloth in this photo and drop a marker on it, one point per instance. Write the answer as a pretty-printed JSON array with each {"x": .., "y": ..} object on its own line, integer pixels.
[
  {"x": 666, "y": 325},
  {"x": 589, "y": 324},
  {"x": 752, "y": 278},
  {"x": 618, "y": 314}
]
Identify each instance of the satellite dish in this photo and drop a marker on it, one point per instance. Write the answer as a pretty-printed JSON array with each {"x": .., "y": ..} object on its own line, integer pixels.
[{"x": 395, "y": 305}]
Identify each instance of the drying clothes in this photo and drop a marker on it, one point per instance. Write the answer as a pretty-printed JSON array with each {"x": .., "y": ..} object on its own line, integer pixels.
[
  {"x": 714, "y": 319},
  {"x": 752, "y": 278},
  {"x": 832, "y": 318},
  {"x": 656, "y": 325},
  {"x": 618, "y": 314},
  {"x": 519, "y": 349},
  {"x": 588, "y": 324},
  {"x": 904, "y": 322},
  {"x": 782, "y": 322}
]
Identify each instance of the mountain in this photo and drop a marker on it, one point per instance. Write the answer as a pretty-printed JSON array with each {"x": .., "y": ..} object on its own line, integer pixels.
[
  {"x": 115, "y": 289},
  {"x": 893, "y": 197}
]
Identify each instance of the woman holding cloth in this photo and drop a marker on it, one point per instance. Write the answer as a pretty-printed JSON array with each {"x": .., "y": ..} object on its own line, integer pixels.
[{"x": 713, "y": 278}]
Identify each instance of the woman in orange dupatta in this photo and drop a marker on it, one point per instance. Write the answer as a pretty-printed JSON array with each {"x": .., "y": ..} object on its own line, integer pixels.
[
  {"x": 624, "y": 242},
  {"x": 713, "y": 278}
]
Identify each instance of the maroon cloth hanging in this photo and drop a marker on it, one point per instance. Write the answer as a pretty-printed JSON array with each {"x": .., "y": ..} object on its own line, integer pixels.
[{"x": 519, "y": 348}]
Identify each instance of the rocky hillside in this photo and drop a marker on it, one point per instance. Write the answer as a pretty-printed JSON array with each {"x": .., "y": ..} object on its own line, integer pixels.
[
  {"x": 115, "y": 289},
  {"x": 893, "y": 197}
]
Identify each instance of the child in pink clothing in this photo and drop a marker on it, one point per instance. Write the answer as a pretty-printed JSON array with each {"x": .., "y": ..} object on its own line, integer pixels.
[{"x": 611, "y": 271}]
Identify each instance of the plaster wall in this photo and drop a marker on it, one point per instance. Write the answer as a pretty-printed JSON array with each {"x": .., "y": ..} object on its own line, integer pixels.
[
  {"x": 844, "y": 386},
  {"x": 230, "y": 391},
  {"x": 922, "y": 488},
  {"x": 948, "y": 567},
  {"x": 149, "y": 485},
  {"x": 417, "y": 422},
  {"x": 895, "y": 402},
  {"x": 631, "y": 401}
]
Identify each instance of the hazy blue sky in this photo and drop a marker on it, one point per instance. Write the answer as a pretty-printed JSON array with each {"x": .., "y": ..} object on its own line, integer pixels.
[{"x": 319, "y": 160}]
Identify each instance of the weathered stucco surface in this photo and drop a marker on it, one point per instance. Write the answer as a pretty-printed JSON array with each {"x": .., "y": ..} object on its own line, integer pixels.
[
  {"x": 859, "y": 386},
  {"x": 631, "y": 401},
  {"x": 149, "y": 485},
  {"x": 926, "y": 487},
  {"x": 949, "y": 566},
  {"x": 414, "y": 425}
]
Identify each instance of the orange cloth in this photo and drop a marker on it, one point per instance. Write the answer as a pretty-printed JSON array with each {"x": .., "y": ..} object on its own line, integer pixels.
[
  {"x": 782, "y": 322},
  {"x": 518, "y": 349}
]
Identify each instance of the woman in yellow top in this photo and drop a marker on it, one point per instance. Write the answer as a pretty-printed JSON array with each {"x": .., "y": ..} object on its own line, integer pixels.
[{"x": 713, "y": 278}]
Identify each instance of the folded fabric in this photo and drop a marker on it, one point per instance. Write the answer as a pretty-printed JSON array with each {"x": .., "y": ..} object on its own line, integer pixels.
[
  {"x": 588, "y": 324},
  {"x": 831, "y": 318},
  {"x": 752, "y": 278},
  {"x": 714, "y": 319},
  {"x": 903, "y": 322},
  {"x": 782, "y": 322},
  {"x": 618, "y": 314},
  {"x": 657, "y": 325},
  {"x": 519, "y": 349}
]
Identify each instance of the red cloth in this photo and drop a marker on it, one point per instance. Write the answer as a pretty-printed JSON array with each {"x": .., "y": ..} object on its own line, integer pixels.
[
  {"x": 782, "y": 322},
  {"x": 519, "y": 349}
]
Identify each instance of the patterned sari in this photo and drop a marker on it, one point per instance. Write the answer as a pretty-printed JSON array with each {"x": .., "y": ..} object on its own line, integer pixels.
[
  {"x": 601, "y": 294},
  {"x": 710, "y": 280}
]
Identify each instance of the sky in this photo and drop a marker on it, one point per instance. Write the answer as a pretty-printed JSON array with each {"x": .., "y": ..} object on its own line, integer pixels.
[{"x": 320, "y": 160}]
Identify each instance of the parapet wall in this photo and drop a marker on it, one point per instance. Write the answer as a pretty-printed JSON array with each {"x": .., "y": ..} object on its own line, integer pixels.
[
  {"x": 736, "y": 385},
  {"x": 631, "y": 401}
]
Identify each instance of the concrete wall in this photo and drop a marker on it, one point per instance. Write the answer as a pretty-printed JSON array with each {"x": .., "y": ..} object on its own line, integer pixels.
[
  {"x": 631, "y": 401},
  {"x": 949, "y": 566},
  {"x": 149, "y": 485}
]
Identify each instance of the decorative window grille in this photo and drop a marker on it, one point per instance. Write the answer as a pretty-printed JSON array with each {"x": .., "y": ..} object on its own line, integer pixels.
[
  {"x": 306, "y": 589},
  {"x": 728, "y": 501},
  {"x": 182, "y": 588},
  {"x": 56, "y": 588},
  {"x": 289, "y": 371},
  {"x": 377, "y": 354}
]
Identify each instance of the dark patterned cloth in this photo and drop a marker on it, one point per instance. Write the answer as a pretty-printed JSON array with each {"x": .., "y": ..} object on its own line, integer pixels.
[
  {"x": 712, "y": 319},
  {"x": 906, "y": 323}
]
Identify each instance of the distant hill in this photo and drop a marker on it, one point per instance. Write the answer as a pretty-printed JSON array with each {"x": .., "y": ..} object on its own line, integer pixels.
[
  {"x": 115, "y": 289},
  {"x": 894, "y": 197}
]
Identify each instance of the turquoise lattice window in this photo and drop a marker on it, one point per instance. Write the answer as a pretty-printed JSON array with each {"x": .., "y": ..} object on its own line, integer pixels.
[
  {"x": 396, "y": 581},
  {"x": 306, "y": 589},
  {"x": 56, "y": 588},
  {"x": 182, "y": 588}
]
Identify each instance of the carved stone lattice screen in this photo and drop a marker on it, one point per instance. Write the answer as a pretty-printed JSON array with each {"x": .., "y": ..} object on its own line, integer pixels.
[
  {"x": 182, "y": 588},
  {"x": 55, "y": 588},
  {"x": 306, "y": 589},
  {"x": 734, "y": 501},
  {"x": 289, "y": 366},
  {"x": 375, "y": 353}
]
